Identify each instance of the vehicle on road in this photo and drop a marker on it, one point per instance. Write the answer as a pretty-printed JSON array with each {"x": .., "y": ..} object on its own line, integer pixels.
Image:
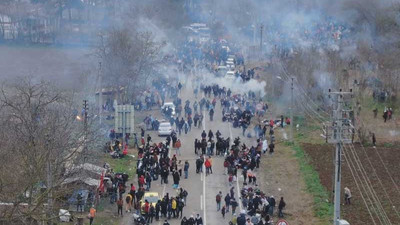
[
  {"x": 170, "y": 105},
  {"x": 151, "y": 197},
  {"x": 230, "y": 75},
  {"x": 221, "y": 71},
  {"x": 165, "y": 128},
  {"x": 230, "y": 65}
]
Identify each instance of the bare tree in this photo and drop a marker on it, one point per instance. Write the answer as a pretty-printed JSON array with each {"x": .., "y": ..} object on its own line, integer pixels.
[
  {"x": 40, "y": 141},
  {"x": 128, "y": 58}
]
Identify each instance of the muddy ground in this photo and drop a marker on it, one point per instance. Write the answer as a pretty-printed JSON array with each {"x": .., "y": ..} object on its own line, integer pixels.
[{"x": 357, "y": 214}]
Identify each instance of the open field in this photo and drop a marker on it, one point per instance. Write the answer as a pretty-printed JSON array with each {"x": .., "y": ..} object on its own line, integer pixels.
[{"x": 357, "y": 214}]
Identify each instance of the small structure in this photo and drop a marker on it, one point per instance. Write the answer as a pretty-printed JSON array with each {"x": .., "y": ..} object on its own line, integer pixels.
[{"x": 124, "y": 119}]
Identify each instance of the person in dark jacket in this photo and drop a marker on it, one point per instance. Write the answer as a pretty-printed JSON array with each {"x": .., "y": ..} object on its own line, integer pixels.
[
  {"x": 199, "y": 220},
  {"x": 227, "y": 201},
  {"x": 281, "y": 206},
  {"x": 241, "y": 219},
  {"x": 272, "y": 204},
  {"x": 158, "y": 209},
  {"x": 271, "y": 148},
  {"x": 210, "y": 134},
  {"x": 203, "y": 134},
  {"x": 152, "y": 213},
  {"x": 211, "y": 114},
  {"x": 184, "y": 221},
  {"x": 186, "y": 169},
  {"x": 234, "y": 204},
  {"x": 176, "y": 178},
  {"x": 199, "y": 164},
  {"x": 373, "y": 140},
  {"x": 191, "y": 220}
]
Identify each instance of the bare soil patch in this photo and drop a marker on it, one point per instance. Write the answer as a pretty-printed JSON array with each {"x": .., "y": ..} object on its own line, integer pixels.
[{"x": 322, "y": 156}]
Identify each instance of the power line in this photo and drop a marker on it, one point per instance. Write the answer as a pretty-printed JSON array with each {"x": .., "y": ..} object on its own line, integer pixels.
[
  {"x": 379, "y": 180},
  {"x": 382, "y": 163},
  {"x": 357, "y": 184},
  {"x": 368, "y": 182},
  {"x": 304, "y": 92},
  {"x": 369, "y": 185}
]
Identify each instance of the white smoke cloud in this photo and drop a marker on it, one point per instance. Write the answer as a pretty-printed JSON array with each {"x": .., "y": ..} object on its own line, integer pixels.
[{"x": 236, "y": 85}]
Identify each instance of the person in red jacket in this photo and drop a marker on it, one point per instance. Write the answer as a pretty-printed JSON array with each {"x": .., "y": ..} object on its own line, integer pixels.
[
  {"x": 146, "y": 209},
  {"x": 207, "y": 164},
  {"x": 141, "y": 181},
  {"x": 271, "y": 123}
]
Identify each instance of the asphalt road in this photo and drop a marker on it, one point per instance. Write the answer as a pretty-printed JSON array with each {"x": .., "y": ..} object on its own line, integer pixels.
[{"x": 202, "y": 189}]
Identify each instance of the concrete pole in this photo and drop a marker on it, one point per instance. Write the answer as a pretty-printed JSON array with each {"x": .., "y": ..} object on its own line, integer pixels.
[
  {"x": 338, "y": 160},
  {"x": 291, "y": 112},
  {"x": 85, "y": 130},
  {"x": 100, "y": 94},
  {"x": 49, "y": 173}
]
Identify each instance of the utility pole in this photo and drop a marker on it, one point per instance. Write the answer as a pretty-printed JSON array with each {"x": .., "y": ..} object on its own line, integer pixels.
[
  {"x": 85, "y": 129},
  {"x": 49, "y": 173},
  {"x": 100, "y": 94},
  {"x": 341, "y": 132},
  {"x": 291, "y": 112}
]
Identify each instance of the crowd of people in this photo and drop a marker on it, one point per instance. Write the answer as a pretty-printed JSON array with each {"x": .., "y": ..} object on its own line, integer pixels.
[
  {"x": 155, "y": 163},
  {"x": 326, "y": 32}
]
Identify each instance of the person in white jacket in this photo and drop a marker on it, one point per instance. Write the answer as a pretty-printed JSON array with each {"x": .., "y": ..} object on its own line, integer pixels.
[
  {"x": 265, "y": 146},
  {"x": 347, "y": 195}
]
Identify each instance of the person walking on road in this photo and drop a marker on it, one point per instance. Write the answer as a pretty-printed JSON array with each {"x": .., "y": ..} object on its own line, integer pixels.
[
  {"x": 203, "y": 146},
  {"x": 227, "y": 201},
  {"x": 207, "y": 164},
  {"x": 191, "y": 220},
  {"x": 218, "y": 200},
  {"x": 186, "y": 169},
  {"x": 166, "y": 222},
  {"x": 120, "y": 205},
  {"x": 234, "y": 204},
  {"x": 211, "y": 114},
  {"x": 241, "y": 219},
  {"x": 199, "y": 220},
  {"x": 148, "y": 181},
  {"x": 223, "y": 211},
  {"x": 128, "y": 202},
  {"x": 199, "y": 165},
  {"x": 180, "y": 206},
  {"x": 151, "y": 213},
  {"x": 233, "y": 220},
  {"x": 176, "y": 178},
  {"x": 184, "y": 221},
  {"x": 158, "y": 209},
  {"x": 178, "y": 145},
  {"x": 209, "y": 147},
  {"x": 210, "y": 160}
]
